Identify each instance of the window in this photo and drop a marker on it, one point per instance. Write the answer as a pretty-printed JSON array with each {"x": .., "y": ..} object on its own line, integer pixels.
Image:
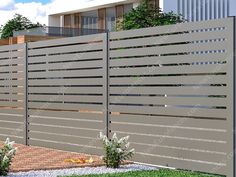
[
  {"x": 89, "y": 20},
  {"x": 111, "y": 19}
]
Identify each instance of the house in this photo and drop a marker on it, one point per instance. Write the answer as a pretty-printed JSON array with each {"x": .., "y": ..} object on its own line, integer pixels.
[
  {"x": 101, "y": 15},
  {"x": 104, "y": 14}
]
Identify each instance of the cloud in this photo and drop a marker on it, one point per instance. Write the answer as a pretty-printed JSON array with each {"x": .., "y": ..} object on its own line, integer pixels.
[
  {"x": 38, "y": 12},
  {"x": 6, "y": 5}
]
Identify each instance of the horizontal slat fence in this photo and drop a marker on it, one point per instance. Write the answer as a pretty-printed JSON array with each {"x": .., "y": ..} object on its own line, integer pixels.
[
  {"x": 12, "y": 92},
  {"x": 66, "y": 94},
  {"x": 171, "y": 91},
  {"x": 170, "y": 88}
]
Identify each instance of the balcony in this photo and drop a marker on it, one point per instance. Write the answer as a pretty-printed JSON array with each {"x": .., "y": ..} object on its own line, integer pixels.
[{"x": 57, "y": 31}]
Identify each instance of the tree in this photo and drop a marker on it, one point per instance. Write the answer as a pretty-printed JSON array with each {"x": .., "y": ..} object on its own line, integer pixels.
[
  {"x": 145, "y": 15},
  {"x": 19, "y": 22}
]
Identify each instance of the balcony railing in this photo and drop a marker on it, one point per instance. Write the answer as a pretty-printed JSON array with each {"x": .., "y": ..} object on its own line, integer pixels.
[
  {"x": 58, "y": 31},
  {"x": 89, "y": 25}
]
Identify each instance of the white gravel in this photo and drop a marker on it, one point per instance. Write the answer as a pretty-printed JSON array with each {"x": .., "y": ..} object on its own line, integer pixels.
[{"x": 81, "y": 171}]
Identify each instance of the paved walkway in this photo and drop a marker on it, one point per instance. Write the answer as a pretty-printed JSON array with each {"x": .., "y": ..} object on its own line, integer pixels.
[{"x": 37, "y": 158}]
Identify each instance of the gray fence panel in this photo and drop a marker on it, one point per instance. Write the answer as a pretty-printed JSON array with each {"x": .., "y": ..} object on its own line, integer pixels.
[
  {"x": 66, "y": 99},
  {"x": 12, "y": 98},
  {"x": 171, "y": 91},
  {"x": 171, "y": 88}
]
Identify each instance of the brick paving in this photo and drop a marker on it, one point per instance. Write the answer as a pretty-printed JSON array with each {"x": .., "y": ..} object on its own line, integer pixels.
[{"x": 30, "y": 158}]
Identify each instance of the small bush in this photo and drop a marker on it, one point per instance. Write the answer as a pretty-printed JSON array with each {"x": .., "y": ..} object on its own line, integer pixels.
[
  {"x": 146, "y": 15},
  {"x": 116, "y": 150},
  {"x": 7, "y": 152}
]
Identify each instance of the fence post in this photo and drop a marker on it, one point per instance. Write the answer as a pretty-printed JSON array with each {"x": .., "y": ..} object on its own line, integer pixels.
[
  {"x": 106, "y": 91},
  {"x": 26, "y": 116},
  {"x": 234, "y": 96}
]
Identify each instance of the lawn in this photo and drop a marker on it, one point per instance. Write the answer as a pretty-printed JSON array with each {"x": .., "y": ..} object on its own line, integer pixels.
[{"x": 159, "y": 173}]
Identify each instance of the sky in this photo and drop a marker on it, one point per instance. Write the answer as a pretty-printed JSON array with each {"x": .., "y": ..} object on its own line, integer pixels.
[
  {"x": 38, "y": 10},
  {"x": 27, "y": 1}
]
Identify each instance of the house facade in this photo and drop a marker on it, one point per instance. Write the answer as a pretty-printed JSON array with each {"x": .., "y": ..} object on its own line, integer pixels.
[
  {"x": 105, "y": 15},
  {"x": 99, "y": 16}
]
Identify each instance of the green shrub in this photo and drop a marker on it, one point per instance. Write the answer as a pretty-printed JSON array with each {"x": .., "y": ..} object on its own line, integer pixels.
[
  {"x": 7, "y": 152},
  {"x": 116, "y": 150},
  {"x": 145, "y": 15}
]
